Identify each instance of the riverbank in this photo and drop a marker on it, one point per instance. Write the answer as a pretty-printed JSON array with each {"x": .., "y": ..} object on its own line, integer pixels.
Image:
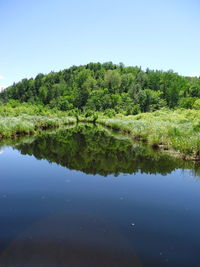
[
  {"x": 177, "y": 131},
  {"x": 11, "y": 127},
  {"x": 28, "y": 120}
]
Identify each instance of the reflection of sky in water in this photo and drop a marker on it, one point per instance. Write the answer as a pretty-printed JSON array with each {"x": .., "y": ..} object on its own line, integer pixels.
[{"x": 1, "y": 151}]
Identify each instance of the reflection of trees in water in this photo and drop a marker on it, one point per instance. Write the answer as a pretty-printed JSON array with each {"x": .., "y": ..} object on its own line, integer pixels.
[{"x": 93, "y": 150}]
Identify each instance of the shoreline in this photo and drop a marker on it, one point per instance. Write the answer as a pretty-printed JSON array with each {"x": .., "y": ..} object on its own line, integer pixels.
[
  {"x": 158, "y": 146},
  {"x": 15, "y": 127},
  {"x": 140, "y": 128}
]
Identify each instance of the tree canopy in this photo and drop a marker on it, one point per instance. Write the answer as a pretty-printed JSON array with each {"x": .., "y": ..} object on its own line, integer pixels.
[{"x": 107, "y": 86}]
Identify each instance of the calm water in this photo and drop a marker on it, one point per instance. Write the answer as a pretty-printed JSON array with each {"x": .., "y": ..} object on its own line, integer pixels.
[{"x": 88, "y": 197}]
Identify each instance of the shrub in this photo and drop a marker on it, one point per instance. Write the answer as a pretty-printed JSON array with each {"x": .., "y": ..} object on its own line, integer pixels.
[
  {"x": 196, "y": 104},
  {"x": 109, "y": 113},
  {"x": 187, "y": 102}
]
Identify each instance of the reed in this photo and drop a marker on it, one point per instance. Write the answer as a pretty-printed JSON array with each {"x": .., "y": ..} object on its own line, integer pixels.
[{"x": 177, "y": 130}]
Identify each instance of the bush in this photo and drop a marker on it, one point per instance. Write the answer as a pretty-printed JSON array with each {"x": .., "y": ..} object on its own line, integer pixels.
[
  {"x": 134, "y": 110},
  {"x": 187, "y": 102},
  {"x": 109, "y": 113},
  {"x": 196, "y": 104}
]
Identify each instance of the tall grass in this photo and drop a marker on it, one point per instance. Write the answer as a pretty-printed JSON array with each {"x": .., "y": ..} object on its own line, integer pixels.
[
  {"x": 168, "y": 129},
  {"x": 177, "y": 130},
  {"x": 28, "y": 119}
]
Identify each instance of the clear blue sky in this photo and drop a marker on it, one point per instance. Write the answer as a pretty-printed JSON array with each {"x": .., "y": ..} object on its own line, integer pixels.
[{"x": 48, "y": 35}]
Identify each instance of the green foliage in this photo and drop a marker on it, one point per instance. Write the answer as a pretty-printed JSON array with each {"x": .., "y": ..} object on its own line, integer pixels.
[
  {"x": 178, "y": 129},
  {"x": 62, "y": 103},
  {"x": 18, "y": 119},
  {"x": 194, "y": 89},
  {"x": 95, "y": 150},
  {"x": 196, "y": 104},
  {"x": 109, "y": 113},
  {"x": 43, "y": 93},
  {"x": 112, "y": 81},
  {"x": 98, "y": 87},
  {"x": 187, "y": 102},
  {"x": 150, "y": 100}
]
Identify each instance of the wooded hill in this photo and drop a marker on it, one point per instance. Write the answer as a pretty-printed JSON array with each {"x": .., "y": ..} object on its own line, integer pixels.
[{"x": 108, "y": 87}]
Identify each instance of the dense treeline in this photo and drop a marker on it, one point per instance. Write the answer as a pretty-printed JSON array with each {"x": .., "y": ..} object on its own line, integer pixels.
[{"x": 108, "y": 87}]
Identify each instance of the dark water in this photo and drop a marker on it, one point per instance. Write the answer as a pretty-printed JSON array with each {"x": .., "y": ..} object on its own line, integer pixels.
[{"x": 87, "y": 197}]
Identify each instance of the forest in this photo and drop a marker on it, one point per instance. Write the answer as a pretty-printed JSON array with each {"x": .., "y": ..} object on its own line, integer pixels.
[{"x": 108, "y": 88}]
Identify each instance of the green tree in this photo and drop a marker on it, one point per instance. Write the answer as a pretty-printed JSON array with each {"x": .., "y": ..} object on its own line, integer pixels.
[
  {"x": 112, "y": 81},
  {"x": 43, "y": 94}
]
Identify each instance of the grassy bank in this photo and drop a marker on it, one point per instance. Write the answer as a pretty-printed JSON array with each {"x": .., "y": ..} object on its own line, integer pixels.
[
  {"x": 174, "y": 130},
  {"x": 29, "y": 119},
  {"x": 178, "y": 130}
]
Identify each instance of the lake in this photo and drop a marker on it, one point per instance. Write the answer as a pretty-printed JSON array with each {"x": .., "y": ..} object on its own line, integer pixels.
[{"x": 86, "y": 196}]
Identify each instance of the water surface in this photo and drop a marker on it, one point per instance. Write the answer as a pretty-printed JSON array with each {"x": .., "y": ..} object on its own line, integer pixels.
[{"x": 88, "y": 197}]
